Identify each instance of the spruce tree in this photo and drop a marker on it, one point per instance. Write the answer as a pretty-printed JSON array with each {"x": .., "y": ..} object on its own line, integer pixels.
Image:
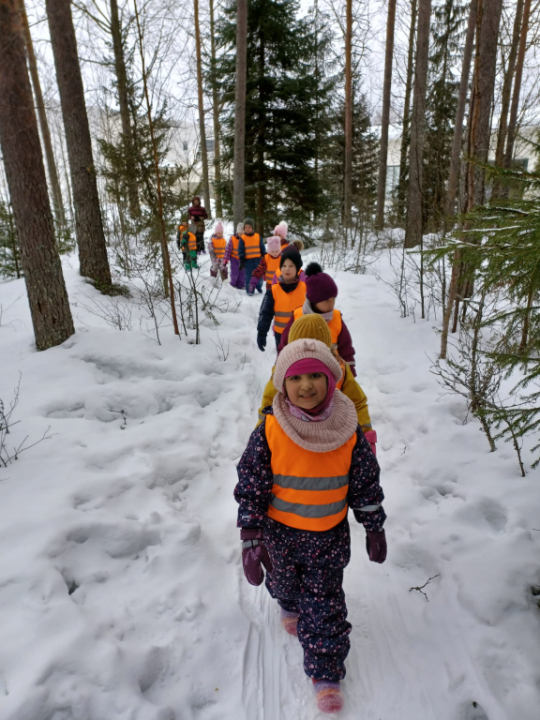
[{"x": 10, "y": 256}]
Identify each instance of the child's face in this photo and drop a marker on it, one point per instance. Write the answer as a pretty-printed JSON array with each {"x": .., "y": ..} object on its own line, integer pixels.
[
  {"x": 326, "y": 305},
  {"x": 288, "y": 270},
  {"x": 275, "y": 253},
  {"x": 308, "y": 390},
  {"x": 248, "y": 229}
]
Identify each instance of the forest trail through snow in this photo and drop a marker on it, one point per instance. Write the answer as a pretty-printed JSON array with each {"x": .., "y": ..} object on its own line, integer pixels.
[{"x": 121, "y": 589}]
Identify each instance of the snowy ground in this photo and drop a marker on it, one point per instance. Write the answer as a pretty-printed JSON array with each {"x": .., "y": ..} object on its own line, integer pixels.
[{"x": 121, "y": 592}]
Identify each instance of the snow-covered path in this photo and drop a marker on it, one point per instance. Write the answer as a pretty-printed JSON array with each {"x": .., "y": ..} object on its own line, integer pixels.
[{"x": 121, "y": 592}]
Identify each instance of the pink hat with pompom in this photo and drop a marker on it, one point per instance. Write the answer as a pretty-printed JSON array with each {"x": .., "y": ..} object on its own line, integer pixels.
[
  {"x": 218, "y": 229},
  {"x": 281, "y": 230}
]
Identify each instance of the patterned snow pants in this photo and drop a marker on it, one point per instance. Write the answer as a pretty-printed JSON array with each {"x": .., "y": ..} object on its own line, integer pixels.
[{"x": 307, "y": 578}]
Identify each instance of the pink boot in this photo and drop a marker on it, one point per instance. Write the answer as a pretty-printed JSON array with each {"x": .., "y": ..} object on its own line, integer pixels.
[
  {"x": 328, "y": 695},
  {"x": 289, "y": 620},
  {"x": 371, "y": 437}
]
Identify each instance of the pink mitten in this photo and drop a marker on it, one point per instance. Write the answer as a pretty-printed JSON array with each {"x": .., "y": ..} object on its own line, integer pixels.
[{"x": 371, "y": 437}]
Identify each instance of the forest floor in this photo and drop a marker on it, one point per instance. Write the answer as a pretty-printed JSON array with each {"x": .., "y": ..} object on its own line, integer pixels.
[{"x": 121, "y": 591}]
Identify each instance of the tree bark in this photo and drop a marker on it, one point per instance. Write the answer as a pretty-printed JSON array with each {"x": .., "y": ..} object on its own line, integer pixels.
[
  {"x": 460, "y": 112},
  {"x": 240, "y": 112},
  {"x": 405, "y": 135},
  {"x": 23, "y": 160},
  {"x": 512, "y": 125},
  {"x": 413, "y": 227},
  {"x": 123, "y": 103},
  {"x": 261, "y": 132},
  {"x": 215, "y": 109},
  {"x": 385, "y": 120},
  {"x": 202, "y": 131},
  {"x": 88, "y": 222},
  {"x": 347, "y": 179},
  {"x": 56, "y": 191}
]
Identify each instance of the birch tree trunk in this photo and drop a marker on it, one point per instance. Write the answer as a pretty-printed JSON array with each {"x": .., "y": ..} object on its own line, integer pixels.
[
  {"x": 512, "y": 125},
  {"x": 347, "y": 180},
  {"x": 240, "y": 112},
  {"x": 202, "y": 131},
  {"x": 23, "y": 161},
  {"x": 215, "y": 112},
  {"x": 405, "y": 135},
  {"x": 413, "y": 226},
  {"x": 385, "y": 120},
  {"x": 88, "y": 221}
]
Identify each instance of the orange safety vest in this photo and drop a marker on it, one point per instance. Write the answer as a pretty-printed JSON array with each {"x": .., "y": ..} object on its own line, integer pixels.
[
  {"x": 252, "y": 245},
  {"x": 272, "y": 267},
  {"x": 192, "y": 242},
  {"x": 219, "y": 245},
  {"x": 310, "y": 488},
  {"x": 335, "y": 324},
  {"x": 285, "y": 303},
  {"x": 235, "y": 241}
]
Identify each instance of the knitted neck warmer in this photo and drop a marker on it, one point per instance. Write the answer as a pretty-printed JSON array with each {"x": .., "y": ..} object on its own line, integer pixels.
[
  {"x": 323, "y": 414},
  {"x": 309, "y": 310},
  {"x": 328, "y": 434}
]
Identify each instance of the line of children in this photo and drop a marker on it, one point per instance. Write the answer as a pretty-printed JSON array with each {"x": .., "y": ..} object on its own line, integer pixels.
[
  {"x": 283, "y": 298},
  {"x": 216, "y": 248},
  {"x": 304, "y": 466},
  {"x": 231, "y": 255},
  {"x": 250, "y": 250}
]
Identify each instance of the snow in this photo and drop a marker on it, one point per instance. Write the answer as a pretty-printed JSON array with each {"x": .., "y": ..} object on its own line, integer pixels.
[{"x": 121, "y": 591}]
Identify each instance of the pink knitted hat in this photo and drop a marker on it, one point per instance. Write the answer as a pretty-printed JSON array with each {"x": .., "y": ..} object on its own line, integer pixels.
[
  {"x": 218, "y": 229},
  {"x": 300, "y": 350},
  {"x": 281, "y": 230},
  {"x": 273, "y": 243}
]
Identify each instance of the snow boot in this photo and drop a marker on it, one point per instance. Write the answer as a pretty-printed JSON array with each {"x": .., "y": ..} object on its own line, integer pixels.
[
  {"x": 289, "y": 620},
  {"x": 328, "y": 696}
]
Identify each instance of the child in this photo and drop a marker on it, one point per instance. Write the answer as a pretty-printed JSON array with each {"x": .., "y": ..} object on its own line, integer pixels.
[
  {"x": 280, "y": 302},
  {"x": 197, "y": 214},
  {"x": 189, "y": 248},
  {"x": 268, "y": 265},
  {"x": 313, "y": 326},
  {"x": 281, "y": 231},
  {"x": 231, "y": 253},
  {"x": 302, "y": 469},
  {"x": 250, "y": 250},
  {"x": 216, "y": 248},
  {"x": 321, "y": 296}
]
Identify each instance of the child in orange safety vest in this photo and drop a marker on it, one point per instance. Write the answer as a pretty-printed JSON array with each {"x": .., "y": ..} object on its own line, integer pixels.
[
  {"x": 304, "y": 466},
  {"x": 216, "y": 248},
  {"x": 188, "y": 245},
  {"x": 280, "y": 302},
  {"x": 250, "y": 249},
  {"x": 269, "y": 264}
]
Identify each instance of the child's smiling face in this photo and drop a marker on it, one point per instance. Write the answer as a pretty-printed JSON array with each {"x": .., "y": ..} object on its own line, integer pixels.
[{"x": 308, "y": 390}]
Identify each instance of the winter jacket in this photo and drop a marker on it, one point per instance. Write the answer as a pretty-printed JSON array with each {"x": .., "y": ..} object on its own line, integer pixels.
[
  {"x": 216, "y": 248},
  {"x": 267, "y": 311},
  {"x": 242, "y": 247},
  {"x": 256, "y": 479},
  {"x": 197, "y": 212},
  {"x": 345, "y": 347},
  {"x": 349, "y": 387}
]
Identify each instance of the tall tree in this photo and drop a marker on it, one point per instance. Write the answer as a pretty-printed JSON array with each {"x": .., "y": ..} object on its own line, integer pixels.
[
  {"x": 240, "y": 111},
  {"x": 47, "y": 296},
  {"x": 512, "y": 124},
  {"x": 88, "y": 222},
  {"x": 413, "y": 227},
  {"x": 347, "y": 181},
  {"x": 385, "y": 119},
  {"x": 215, "y": 113},
  {"x": 56, "y": 191},
  {"x": 202, "y": 129}
]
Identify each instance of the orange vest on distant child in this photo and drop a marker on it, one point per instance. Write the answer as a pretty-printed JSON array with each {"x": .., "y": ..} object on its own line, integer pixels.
[
  {"x": 286, "y": 303},
  {"x": 192, "y": 242},
  {"x": 235, "y": 241},
  {"x": 219, "y": 245},
  {"x": 272, "y": 266},
  {"x": 335, "y": 324},
  {"x": 252, "y": 244},
  {"x": 310, "y": 488}
]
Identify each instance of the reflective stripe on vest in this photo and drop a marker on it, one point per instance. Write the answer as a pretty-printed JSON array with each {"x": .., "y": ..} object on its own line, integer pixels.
[
  {"x": 192, "y": 242},
  {"x": 219, "y": 247},
  {"x": 285, "y": 304},
  {"x": 272, "y": 266},
  {"x": 252, "y": 245},
  {"x": 335, "y": 324},
  {"x": 235, "y": 240},
  {"x": 310, "y": 489}
]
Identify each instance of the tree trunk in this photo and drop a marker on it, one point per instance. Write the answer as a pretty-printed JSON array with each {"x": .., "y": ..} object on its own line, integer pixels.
[
  {"x": 240, "y": 112},
  {"x": 89, "y": 226},
  {"x": 413, "y": 227},
  {"x": 259, "y": 215},
  {"x": 123, "y": 102},
  {"x": 347, "y": 179},
  {"x": 405, "y": 135},
  {"x": 215, "y": 108},
  {"x": 204, "y": 152},
  {"x": 385, "y": 120},
  {"x": 23, "y": 160},
  {"x": 512, "y": 125},
  {"x": 460, "y": 112},
  {"x": 58, "y": 203}
]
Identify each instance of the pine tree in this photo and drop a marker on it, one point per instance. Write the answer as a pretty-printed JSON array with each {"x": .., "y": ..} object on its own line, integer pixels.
[{"x": 10, "y": 256}]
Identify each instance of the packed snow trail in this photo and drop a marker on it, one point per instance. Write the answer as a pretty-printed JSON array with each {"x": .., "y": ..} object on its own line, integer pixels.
[{"x": 121, "y": 590}]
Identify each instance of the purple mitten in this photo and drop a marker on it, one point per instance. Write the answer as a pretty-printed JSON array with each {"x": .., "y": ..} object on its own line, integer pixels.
[
  {"x": 376, "y": 545},
  {"x": 371, "y": 437},
  {"x": 254, "y": 555},
  {"x": 253, "y": 284}
]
